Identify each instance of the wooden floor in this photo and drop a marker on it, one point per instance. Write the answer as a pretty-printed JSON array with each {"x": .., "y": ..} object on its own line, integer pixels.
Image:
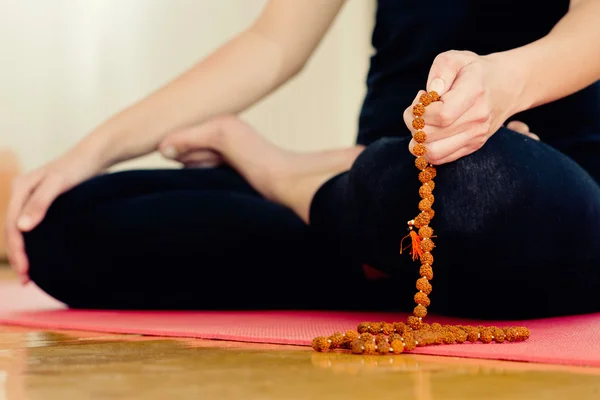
[{"x": 37, "y": 364}]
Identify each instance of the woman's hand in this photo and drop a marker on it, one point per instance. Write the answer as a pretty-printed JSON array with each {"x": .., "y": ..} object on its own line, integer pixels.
[
  {"x": 478, "y": 94},
  {"x": 33, "y": 193}
]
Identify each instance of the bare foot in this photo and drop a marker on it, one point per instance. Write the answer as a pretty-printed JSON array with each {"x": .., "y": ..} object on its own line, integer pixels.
[{"x": 286, "y": 177}]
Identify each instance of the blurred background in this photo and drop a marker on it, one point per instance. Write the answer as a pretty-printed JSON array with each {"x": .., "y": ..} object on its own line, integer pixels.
[{"x": 67, "y": 65}]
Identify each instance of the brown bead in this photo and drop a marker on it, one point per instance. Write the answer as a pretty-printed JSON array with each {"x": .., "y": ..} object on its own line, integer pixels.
[
  {"x": 460, "y": 336},
  {"x": 425, "y": 99},
  {"x": 418, "y": 110},
  {"x": 486, "y": 335},
  {"x": 432, "y": 171},
  {"x": 426, "y": 338},
  {"x": 422, "y": 299},
  {"x": 436, "y": 327},
  {"x": 414, "y": 323},
  {"x": 380, "y": 337},
  {"x": 425, "y": 204},
  {"x": 420, "y": 312},
  {"x": 431, "y": 185},
  {"x": 363, "y": 327},
  {"x": 375, "y": 328},
  {"x": 320, "y": 344},
  {"x": 422, "y": 220},
  {"x": 431, "y": 197},
  {"x": 388, "y": 328},
  {"x": 472, "y": 334},
  {"x": 426, "y": 271},
  {"x": 430, "y": 213},
  {"x": 421, "y": 163},
  {"x": 336, "y": 340},
  {"x": 448, "y": 337},
  {"x": 369, "y": 347},
  {"x": 424, "y": 176},
  {"x": 418, "y": 123},
  {"x": 425, "y": 326},
  {"x": 425, "y": 232},
  {"x": 357, "y": 346},
  {"x": 426, "y": 258},
  {"x": 397, "y": 346},
  {"x": 420, "y": 137},
  {"x": 409, "y": 341},
  {"x": 524, "y": 333},
  {"x": 499, "y": 335},
  {"x": 349, "y": 337},
  {"x": 427, "y": 245},
  {"x": 419, "y": 150},
  {"x": 423, "y": 285},
  {"x": 394, "y": 336},
  {"x": 425, "y": 191},
  {"x": 383, "y": 347},
  {"x": 366, "y": 337},
  {"x": 401, "y": 327},
  {"x": 434, "y": 95}
]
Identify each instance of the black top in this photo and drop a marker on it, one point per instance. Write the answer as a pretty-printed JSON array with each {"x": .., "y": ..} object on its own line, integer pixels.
[{"x": 409, "y": 34}]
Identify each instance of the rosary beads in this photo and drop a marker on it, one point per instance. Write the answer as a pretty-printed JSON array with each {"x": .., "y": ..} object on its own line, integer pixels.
[{"x": 397, "y": 337}]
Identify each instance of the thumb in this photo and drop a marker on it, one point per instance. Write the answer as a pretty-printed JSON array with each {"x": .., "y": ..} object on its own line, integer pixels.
[{"x": 445, "y": 69}]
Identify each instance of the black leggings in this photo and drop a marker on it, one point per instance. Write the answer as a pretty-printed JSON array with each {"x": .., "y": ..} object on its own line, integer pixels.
[{"x": 517, "y": 227}]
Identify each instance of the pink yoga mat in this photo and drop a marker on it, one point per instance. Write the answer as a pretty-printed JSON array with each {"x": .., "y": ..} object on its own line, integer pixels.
[{"x": 566, "y": 340}]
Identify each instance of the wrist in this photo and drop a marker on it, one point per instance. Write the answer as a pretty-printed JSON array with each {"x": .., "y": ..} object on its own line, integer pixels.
[{"x": 513, "y": 68}]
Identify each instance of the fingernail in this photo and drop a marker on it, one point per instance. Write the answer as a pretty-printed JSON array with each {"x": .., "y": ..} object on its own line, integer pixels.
[
  {"x": 169, "y": 152},
  {"x": 25, "y": 222},
  {"x": 438, "y": 86}
]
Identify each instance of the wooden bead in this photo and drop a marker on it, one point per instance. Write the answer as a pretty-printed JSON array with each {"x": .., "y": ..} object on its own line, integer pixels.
[
  {"x": 486, "y": 335},
  {"x": 357, "y": 346},
  {"x": 336, "y": 340},
  {"x": 418, "y": 110},
  {"x": 427, "y": 245},
  {"x": 436, "y": 327},
  {"x": 424, "y": 286},
  {"x": 383, "y": 347},
  {"x": 448, "y": 337},
  {"x": 414, "y": 323},
  {"x": 426, "y": 271},
  {"x": 422, "y": 299},
  {"x": 409, "y": 340},
  {"x": 421, "y": 163},
  {"x": 422, "y": 220},
  {"x": 434, "y": 95},
  {"x": 394, "y": 336},
  {"x": 387, "y": 329},
  {"x": 431, "y": 185},
  {"x": 426, "y": 232},
  {"x": 499, "y": 335},
  {"x": 366, "y": 337},
  {"x": 425, "y": 99},
  {"x": 419, "y": 150},
  {"x": 420, "y": 312},
  {"x": 401, "y": 327},
  {"x": 425, "y": 191},
  {"x": 349, "y": 337},
  {"x": 397, "y": 346},
  {"x": 425, "y": 327},
  {"x": 418, "y": 123},
  {"x": 420, "y": 137},
  {"x": 431, "y": 197},
  {"x": 460, "y": 335},
  {"x": 430, "y": 213},
  {"x": 472, "y": 334},
  {"x": 369, "y": 348},
  {"x": 426, "y": 258},
  {"x": 320, "y": 344},
  {"x": 376, "y": 328},
  {"x": 432, "y": 171},
  {"x": 425, "y": 204},
  {"x": 363, "y": 327},
  {"x": 424, "y": 176}
]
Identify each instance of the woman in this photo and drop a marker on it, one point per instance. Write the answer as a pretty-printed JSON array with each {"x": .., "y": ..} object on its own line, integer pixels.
[{"x": 517, "y": 219}]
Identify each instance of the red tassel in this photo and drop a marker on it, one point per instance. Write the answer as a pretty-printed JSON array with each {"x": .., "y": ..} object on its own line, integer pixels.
[{"x": 415, "y": 245}]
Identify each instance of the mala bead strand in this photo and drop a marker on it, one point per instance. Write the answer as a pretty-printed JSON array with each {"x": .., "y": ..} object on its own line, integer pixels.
[{"x": 398, "y": 337}]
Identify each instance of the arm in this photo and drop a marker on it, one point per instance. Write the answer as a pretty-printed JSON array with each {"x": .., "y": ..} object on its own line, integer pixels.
[
  {"x": 561, "y": 63},
  {"x": 240, "y": 73}
]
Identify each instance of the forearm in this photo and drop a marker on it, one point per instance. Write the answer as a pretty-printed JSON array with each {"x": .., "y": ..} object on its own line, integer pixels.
[
  {"x": 563, "y": 62},
  {"x": 234, "y": 77}
]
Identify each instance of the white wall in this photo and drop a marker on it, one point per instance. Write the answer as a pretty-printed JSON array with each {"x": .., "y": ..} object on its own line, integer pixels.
[{"x": 66, "y": 65}]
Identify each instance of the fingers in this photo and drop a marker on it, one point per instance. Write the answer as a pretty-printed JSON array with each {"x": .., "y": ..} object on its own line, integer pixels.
[
  {"x": 36, "y": 206},
  {"x": 200, "y": 159},
  {"x": 22, "y": 188},
  {"x": 441, "y": 151},
  {"x": 445, "y": 69}
]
